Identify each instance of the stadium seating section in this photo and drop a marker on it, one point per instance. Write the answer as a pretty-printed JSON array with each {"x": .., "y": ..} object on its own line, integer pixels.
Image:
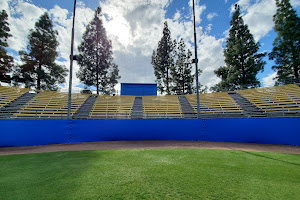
[
  {"x": 112, "y": 107},
  {"x": 51, "y": 104},
  {"x": 277, "y": 99},
  {"x": 215, "y": 103},
  {"x": 161, "y": 107},
  {"x": 9, "y": 94},
  {"x": 274, "y": 101}
]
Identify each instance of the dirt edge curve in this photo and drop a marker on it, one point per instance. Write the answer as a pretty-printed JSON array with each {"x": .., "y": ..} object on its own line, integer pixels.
[{"x": 150, "y": 144}]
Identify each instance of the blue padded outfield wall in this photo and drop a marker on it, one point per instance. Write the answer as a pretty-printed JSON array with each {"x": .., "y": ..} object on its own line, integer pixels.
[
  {"x": 254, "y": 130},
  {"x": 136, "y": 129},
  {"x": 34, "y": 132},
  {"x": 139, "y": 89}
]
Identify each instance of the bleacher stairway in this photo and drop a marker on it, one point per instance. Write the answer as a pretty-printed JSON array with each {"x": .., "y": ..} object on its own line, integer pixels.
[
  {"x": 84, "y": 111},
  {"x": 137, "y": 108},
  {"x": 250, "y": 110},
  {"x": 11, "y": 108},
  {"x": 186, "y": 108}
]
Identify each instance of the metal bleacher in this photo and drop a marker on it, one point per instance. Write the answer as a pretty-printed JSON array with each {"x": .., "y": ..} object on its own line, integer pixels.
[
  {"x": 112, "y": 107},
  {"x": 218, "y": 104},
  {"x": 9, "y": 94},
  {"x": 50, "y": 104},
  {"x": 162, "y": 107},
  {"x": 275, "y": 101}
]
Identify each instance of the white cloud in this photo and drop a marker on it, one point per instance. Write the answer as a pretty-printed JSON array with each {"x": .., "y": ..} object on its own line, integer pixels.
[
  {"x": 259, "y": 18},
  {"x": 134, "y": 24},
  {"x": 198, "y": 10},
  {"x": 244, "y": 5},
  {"x": 208, "y": 28},
  {"x": 259, "y": 15},
  {"x": 135, "y": 27},
  {"x": 210, "y": 58},
  {"x": 295, "y": 3},
  {"x": 210, "y": 16},
  {"x": 4, "y": 5},
  {"x": 226, "y": 33},
  {"x": 20, "y": 26},
  {"x": 210, "y": 51},
  {"x": 177, "y": 15},
  {"x": 269, "y": 80},
  {"x": 59, "y": 15},
  {"x": 22, "y": 17}
]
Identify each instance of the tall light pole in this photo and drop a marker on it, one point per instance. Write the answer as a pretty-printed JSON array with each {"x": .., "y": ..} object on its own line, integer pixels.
[
  {"x": 71, "y": 65},
  {"x": 196, "y": 64}
]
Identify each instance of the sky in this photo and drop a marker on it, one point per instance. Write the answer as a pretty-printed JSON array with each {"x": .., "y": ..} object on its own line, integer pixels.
[{"x": 135, "y": 28}]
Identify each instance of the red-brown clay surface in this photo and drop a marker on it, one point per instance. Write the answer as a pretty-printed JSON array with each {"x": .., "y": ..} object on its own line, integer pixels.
[{"x": 150, "y": 144}]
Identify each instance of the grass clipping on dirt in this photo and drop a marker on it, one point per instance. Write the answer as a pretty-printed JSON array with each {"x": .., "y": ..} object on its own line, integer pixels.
[{"x": 150, "y": 174}]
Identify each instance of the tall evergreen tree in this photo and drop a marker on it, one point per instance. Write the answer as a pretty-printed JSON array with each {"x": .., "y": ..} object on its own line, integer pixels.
[
  {"x": 95, "y": 57},
  {"x": 6, "y": 61},
  {"x": 39, "y": 69},
  {"x": 224, "y": 85},
  {"x": 241, "y": 58},
  {"x": 286, "y": 50},
  {"x": 163, "y": 60},
  {"x": 181, "y": 72}
]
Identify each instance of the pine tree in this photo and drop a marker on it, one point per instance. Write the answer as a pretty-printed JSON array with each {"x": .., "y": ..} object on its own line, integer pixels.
[
  {"x": 163, "y": 60},
  {"x": 39, "y": 69},
  {"x": 241, "y": 58},
  {"x": 95, "y": 57},
  {"x": 6, "y": 61},
  {"x": 224, "y": 85},
  {"x": 181, "y": 72},
  {"x": 286, "y": 50}
]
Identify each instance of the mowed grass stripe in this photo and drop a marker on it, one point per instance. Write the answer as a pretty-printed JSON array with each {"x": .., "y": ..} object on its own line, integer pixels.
[{"x": 150, "y": 174}]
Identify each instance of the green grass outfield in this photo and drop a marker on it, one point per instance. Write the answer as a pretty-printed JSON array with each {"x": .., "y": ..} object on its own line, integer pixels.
[{"x": 150, "y": 174}]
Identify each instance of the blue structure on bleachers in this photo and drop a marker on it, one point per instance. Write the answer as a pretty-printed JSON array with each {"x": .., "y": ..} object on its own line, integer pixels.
[{"x": 139, "y": 89}]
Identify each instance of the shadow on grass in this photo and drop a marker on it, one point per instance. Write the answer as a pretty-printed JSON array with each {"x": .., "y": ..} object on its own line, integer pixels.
[
  {"x": 55, "y": 175},
  {"x": 270, "y": 158}
]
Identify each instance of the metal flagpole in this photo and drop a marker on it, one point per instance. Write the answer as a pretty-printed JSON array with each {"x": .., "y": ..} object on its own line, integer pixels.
[
  {"x": 71, "y": 65},
  {"x": 196, "y": 64}
]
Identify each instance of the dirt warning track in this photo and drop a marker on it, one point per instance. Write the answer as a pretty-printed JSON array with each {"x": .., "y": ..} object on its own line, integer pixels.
[{"x": 150, "y": 144}]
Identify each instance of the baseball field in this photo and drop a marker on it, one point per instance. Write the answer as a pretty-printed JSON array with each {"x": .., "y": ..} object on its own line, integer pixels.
[{"x": 150, "y": 174}]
